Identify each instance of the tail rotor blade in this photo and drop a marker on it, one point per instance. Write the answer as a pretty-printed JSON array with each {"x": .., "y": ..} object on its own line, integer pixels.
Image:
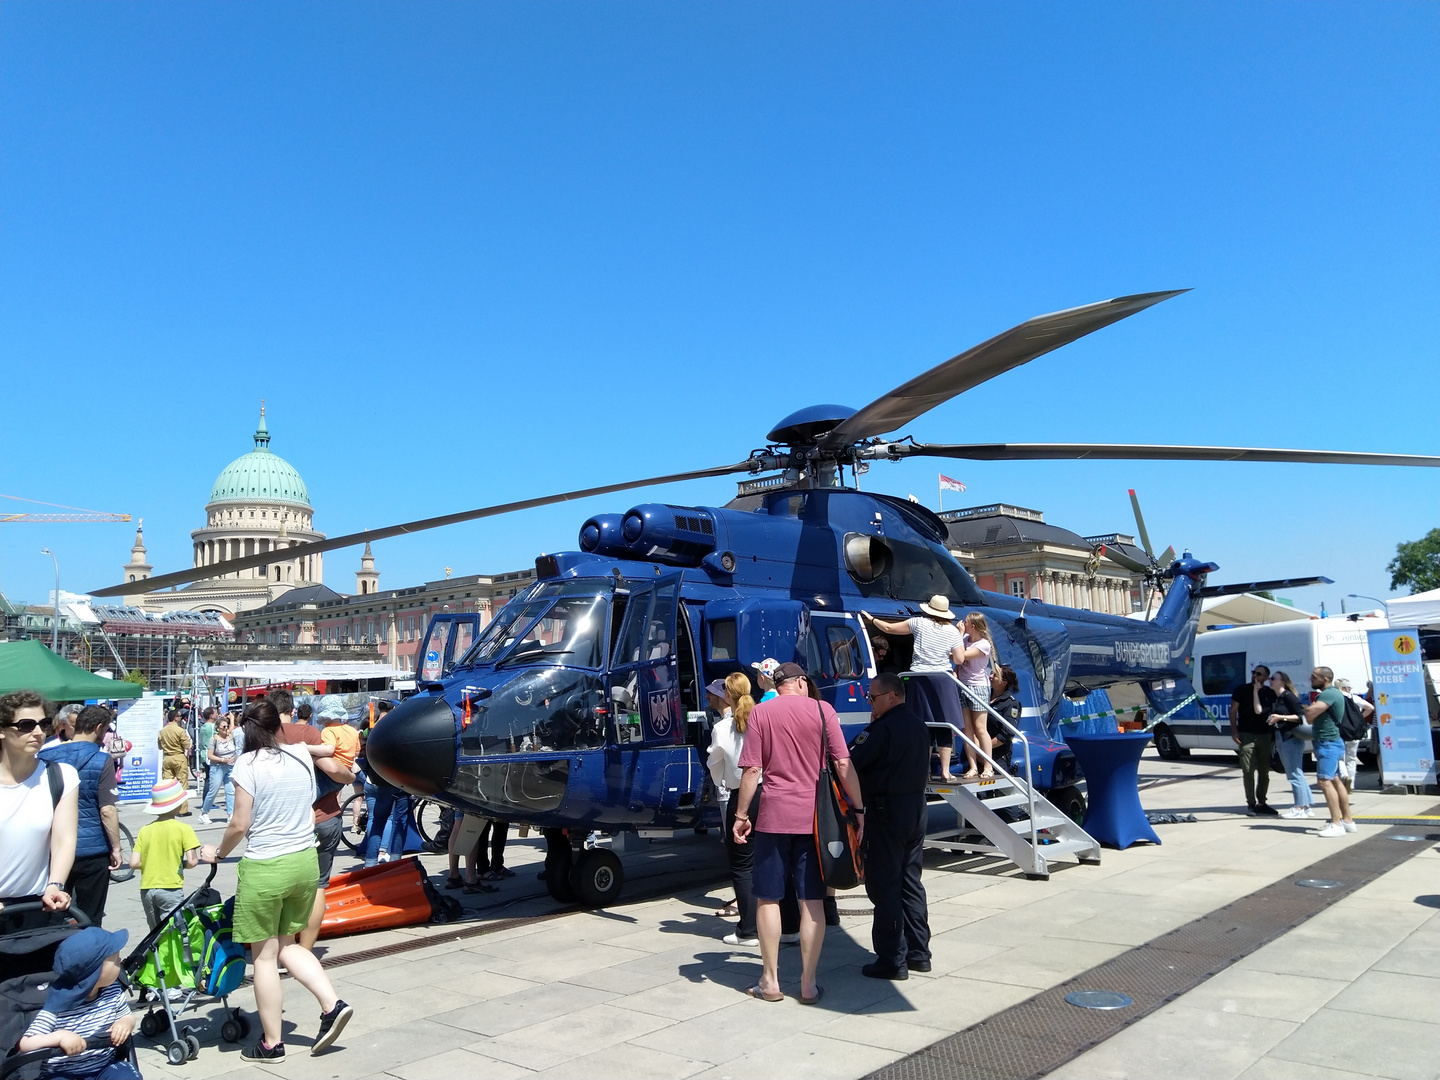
[{"x": 1140, "y": 524}]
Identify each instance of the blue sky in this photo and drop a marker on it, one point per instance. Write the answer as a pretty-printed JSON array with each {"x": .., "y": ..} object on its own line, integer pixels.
[{"x": 474, "y": 253}]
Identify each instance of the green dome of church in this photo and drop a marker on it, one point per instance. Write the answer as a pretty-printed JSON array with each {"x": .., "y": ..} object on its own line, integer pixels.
[{"x": 260, "y": 476}]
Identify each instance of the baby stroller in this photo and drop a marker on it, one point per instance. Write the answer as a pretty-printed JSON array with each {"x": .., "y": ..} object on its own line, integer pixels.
[
  {"x": 188, "y": 956},
  {"x": 28, "y": 940}
]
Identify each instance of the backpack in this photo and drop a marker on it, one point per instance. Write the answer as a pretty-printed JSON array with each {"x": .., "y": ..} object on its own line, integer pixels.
[{"x": 1352, "y": 728}]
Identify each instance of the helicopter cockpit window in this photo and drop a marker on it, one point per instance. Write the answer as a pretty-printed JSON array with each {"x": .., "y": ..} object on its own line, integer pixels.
[
  {"x": 539, "y": 709},
  {"x": 576, "y": 614}
]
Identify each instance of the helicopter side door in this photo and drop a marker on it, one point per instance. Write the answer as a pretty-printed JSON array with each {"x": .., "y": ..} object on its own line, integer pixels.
[
  {"x": 644, "y": 677},
  {"x": 446, "y": 640},
  {"x": 837, "y": 664}
]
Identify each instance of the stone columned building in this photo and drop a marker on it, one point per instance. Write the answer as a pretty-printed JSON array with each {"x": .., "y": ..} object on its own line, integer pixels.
[{"x": 258, "y": 504}]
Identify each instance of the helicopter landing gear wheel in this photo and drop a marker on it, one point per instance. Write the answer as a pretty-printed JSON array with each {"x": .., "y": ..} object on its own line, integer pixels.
[
  {"x": 559, "y": 862},
  {"x": 1070, "y": 801},
  {"x": 597, "y": 878}
]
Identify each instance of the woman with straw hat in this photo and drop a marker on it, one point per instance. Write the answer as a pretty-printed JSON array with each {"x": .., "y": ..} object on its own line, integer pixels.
[{"x": 939, "y": 646}]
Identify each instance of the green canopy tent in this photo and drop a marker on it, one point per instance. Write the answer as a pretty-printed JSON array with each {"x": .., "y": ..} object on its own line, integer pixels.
[{"x": 29, "y": 665}]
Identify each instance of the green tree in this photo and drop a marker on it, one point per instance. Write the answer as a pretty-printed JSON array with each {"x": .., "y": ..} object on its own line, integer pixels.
[
  {"x": 136, "y": 676},
  {"x": 1417, "y": 563}
]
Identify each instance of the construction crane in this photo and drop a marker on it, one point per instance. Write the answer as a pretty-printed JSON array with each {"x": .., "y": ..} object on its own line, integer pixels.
[{"x": 75, "y": 515}]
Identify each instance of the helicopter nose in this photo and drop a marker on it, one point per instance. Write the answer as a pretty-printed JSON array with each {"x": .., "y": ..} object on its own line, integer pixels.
[{"x": 413, "y": 746}]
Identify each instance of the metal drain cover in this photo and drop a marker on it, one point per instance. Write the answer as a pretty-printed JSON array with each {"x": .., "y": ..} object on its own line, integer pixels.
[
  {"x": 1407, "y": 838},
  {"x": 1098, "y": 999},
  {"x": 1318, "y": 883}
]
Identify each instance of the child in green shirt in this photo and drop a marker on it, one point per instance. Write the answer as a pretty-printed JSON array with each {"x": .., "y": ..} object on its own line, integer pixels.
[{"x": 164, "y": 850}]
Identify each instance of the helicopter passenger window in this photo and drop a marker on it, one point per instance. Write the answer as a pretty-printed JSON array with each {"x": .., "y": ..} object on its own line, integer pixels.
[
  {"x": 722, "y": 640},
  {"x": 844, "y": 652},
  {"x": 1221, "y": 673}
]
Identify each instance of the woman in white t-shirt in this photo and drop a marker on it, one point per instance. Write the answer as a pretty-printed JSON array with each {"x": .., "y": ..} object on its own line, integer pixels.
[
  {"x": 275, "y": 893},
  {"x": 37, "y": 832},
  {"x": 972, "y": 668},
  {"x": 727, "y": 739},
  {"x": 937, "y": 650}
]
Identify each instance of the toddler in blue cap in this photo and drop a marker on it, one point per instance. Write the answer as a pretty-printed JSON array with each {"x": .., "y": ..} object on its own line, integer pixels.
[{"x": 85, "y": 1000}]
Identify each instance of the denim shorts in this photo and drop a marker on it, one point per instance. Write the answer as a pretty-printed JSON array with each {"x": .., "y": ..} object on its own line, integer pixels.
[
  {"x": 1327, "y": 759},
  {"x": 780, "y": 855}
]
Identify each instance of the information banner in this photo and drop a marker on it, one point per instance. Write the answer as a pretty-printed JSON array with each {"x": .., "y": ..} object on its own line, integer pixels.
[
  {"x": 139, "y": 724},
  {"x": 1402, "y": 719}
]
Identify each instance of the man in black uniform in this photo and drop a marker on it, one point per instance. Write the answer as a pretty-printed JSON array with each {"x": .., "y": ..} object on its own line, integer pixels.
[{"x": 892, "y": 757}]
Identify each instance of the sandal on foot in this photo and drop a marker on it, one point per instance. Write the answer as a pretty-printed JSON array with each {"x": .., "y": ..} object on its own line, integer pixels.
[
  {"x": 491, "y": 875},
  {"x": 756, "y": 992},
  {"x": 453, "y": 882},
  {"x": 729, "y": 911},
  {"x": 971, "y": 775},
  {"x": 819, "y": 993},
  {"x": 987, "y": 776},
  {"x": 478, "y": 887}
]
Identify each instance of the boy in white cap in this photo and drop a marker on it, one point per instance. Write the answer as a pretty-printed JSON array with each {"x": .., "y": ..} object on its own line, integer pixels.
[
  {"x": 86, "y": 999},
  {"x": 164, "y": 850}
]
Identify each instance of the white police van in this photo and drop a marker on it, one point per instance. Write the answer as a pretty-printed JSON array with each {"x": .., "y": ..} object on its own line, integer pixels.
[{"x": 1223, "y": 660}]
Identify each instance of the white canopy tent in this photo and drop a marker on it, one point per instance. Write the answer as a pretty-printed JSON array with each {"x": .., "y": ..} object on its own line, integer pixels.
[
  {"x": 1422, "y": 609},
  {"x": 1246, "y": 609}
]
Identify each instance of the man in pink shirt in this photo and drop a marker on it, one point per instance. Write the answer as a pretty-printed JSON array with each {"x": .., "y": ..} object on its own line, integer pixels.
[{"x": 782, "y": 742}]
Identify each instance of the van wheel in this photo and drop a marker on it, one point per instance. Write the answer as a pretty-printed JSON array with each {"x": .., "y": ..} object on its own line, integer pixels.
[
  {"x": 597, "y": 878},
  {"x": 1167, "y": 746}
]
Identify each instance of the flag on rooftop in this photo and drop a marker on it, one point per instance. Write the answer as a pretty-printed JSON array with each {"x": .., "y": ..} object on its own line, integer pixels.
[{"x": 950, "y": 484}]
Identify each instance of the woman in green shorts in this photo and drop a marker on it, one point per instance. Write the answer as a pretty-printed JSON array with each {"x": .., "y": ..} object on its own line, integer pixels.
[{"x": 274, "y": 791}]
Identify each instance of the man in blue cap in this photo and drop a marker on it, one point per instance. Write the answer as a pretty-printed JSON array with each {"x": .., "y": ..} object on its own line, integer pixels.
[{"x": 85, "y": 1000}]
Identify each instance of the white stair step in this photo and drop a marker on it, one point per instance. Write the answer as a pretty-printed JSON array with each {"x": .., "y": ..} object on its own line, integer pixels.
[
  {"x": 1043, "y": 822},
  {"x": 1065, "y": 847}
]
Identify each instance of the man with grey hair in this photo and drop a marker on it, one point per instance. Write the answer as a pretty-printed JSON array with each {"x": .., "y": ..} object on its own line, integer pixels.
[{"x": 64, "y": 729}]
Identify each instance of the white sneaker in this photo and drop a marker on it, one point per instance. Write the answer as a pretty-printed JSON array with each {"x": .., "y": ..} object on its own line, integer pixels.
[
  {"x": 1333, "y": 828},
  {"x": 734, "y": 938},
  {"x": 790, "y": 939},
  {"x": 205, "y": 820},
  {"x": 1348, "y": 825},
  {"x": 1296, "y": 812}
]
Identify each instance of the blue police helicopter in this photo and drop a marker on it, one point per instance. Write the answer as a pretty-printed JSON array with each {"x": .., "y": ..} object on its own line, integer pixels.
[{"x": 580, "y": 706}]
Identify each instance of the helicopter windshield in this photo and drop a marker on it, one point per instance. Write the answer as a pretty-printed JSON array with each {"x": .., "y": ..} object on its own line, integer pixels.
[
  {"x": 539, "y": 709},
  {"x": 562, "y": 624}
]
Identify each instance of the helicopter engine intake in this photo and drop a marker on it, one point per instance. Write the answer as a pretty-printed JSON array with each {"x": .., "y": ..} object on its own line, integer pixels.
[
  {"x": 679, "y": 535},
  {"x": 601, "y": 536}
]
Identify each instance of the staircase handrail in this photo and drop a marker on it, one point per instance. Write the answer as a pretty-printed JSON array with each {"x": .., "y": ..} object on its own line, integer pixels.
[{"x": 1015, "y": 733}]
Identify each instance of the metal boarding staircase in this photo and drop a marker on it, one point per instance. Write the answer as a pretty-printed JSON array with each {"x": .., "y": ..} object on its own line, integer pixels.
[{"x": 1006, "y": 815}]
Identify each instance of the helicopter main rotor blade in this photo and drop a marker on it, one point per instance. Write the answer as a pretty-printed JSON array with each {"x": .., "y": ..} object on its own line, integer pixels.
[
  {"x": 1120, "y": 452},
  {"x": 1140, "y": 524},
  {"x": 299, "y": 551},
  {"x": 1016, "y": 346}
]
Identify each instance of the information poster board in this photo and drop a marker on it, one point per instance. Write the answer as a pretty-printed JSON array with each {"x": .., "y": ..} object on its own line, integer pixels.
[
  {"x": 139, "y": 724},
  {"x": 1402, "y": 720}
]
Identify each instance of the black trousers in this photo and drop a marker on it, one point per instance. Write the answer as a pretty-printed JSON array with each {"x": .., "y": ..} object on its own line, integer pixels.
[
  {"x": 89, "y": 885},
  {"x": 894, "y": 856},
  {"x": 495, "y": 833},
  {"x": 742, "y": 875}
]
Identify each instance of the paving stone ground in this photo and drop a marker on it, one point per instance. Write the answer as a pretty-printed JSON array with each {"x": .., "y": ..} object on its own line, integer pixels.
[{"x": 649, "y": 990}]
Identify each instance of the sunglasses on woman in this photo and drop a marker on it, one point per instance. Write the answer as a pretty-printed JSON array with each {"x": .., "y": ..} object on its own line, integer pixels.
[{"x": 25, "y": 727}]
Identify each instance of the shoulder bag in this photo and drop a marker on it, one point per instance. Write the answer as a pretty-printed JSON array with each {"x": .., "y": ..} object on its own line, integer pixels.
[{"x": 842, "y": 863}]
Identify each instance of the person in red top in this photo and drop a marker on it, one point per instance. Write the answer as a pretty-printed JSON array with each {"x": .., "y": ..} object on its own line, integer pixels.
[
  {"x": 782, "y": 743},
  {"x": 328, "y": 826}
]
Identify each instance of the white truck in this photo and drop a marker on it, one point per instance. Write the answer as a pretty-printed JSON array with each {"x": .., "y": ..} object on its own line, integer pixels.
[{"x": 1223, "y": 660}]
